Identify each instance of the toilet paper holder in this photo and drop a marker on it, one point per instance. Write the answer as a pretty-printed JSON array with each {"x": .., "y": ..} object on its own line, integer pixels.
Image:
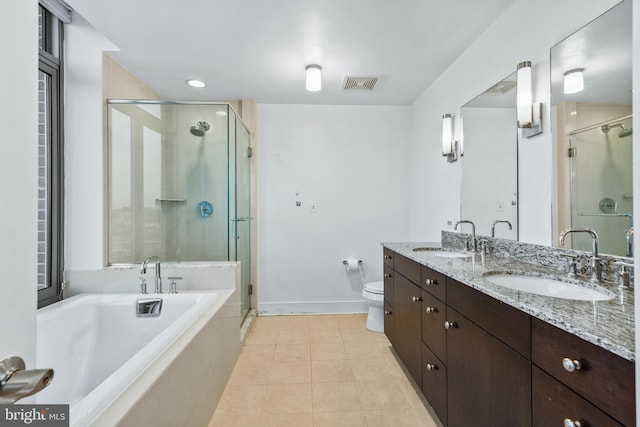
[{"x": 345, "y": 262}]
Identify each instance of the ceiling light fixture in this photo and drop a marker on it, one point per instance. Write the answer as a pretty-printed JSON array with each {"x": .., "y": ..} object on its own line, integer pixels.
[
  {"x": 196, "y": 83},
  {"x": 574, "y": 81},
  {"x": 314, "y": 78}
]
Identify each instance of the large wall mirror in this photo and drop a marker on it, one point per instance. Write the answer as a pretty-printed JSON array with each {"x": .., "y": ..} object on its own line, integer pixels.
[
  {"x": 489, "y": 194},
  {"x": 591, "y": 74}
]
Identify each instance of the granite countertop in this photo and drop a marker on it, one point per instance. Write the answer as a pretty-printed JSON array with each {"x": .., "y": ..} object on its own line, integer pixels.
[{"x": 608, "y": 324}]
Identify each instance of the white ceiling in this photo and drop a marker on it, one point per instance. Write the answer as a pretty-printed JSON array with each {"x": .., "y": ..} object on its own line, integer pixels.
[{"x": 258, "y": 49}]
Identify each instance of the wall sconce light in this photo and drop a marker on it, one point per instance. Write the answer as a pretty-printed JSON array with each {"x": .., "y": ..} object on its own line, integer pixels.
[
  {"x": 448, "y": 143},
  {"x": 574, "y": 81},
  {"x": 461, "y": 136},
  {"x": 529, "y": 115},
  {"x": 314, "y": 78}
]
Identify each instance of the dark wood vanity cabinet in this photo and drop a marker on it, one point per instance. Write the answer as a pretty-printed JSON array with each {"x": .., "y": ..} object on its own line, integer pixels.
[
  {"x": 388, "y": 274},
  {"x": 603, "y": 379},
  {"x": 481, "y": 362}
]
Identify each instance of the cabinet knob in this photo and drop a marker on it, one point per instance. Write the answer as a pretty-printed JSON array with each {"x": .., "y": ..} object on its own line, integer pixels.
[
  {"x": 431, "y": 367},
  {"x": 571, "y": 365},
  {"x": 431, "y": 282},
  {"x": 430, "y": 310},
  {"x": 571, "y": 423},
  {"x": 387, "y": 275},
  {"x": 387, "y": 312},
  {"x": 415, "y": 299},
  {"x": 387, "y": 257},
  {"x": 448, "y": 325}
]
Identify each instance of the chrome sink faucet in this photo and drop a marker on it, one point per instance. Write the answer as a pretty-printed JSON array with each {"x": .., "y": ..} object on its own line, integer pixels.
[
  {"x": 596, "y": 268},
  {"x": 499, "y": 221},
  {"x": 473, "y": 232},
  {"x": 156, "y": 262}
]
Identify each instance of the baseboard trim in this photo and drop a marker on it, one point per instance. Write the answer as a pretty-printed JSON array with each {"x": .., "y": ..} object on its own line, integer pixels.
[{"x": 311, "y": 307}]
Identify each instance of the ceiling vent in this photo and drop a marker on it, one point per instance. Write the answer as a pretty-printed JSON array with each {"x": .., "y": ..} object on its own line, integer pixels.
[{"x": 359, "y": 83}]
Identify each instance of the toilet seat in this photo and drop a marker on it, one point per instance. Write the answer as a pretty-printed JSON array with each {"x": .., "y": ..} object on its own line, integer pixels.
[{"x": 375, "y": 288}]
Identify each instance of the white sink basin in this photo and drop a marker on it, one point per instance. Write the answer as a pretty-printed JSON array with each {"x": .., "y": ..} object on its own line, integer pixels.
[
  {"x": 443, "y": 253},
  {"x": 548, "y": 287}
]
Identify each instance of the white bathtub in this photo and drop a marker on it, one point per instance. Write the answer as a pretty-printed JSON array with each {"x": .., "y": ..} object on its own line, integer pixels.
[{"x": 108, "y": 362}]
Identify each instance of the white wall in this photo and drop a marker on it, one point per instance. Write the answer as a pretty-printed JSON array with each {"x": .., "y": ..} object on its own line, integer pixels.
[
  {"x": 19, "y": 178},
  {"x": 84, "y": 148},
  {"x": 526, "y": 31},
  {"x": 352, "y": 161}
]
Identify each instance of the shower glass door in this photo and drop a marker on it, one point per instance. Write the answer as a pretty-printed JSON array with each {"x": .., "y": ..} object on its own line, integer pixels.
[{"x": 601, "y": 185}]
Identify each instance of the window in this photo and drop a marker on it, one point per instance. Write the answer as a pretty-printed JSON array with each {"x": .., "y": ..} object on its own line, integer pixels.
[{"x": 50, "y": 158}]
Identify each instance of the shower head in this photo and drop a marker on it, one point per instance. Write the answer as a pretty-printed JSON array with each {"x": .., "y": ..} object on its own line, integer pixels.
[
  {"x": 622, "y": 134},
  {"x": 199, "y": 129},
  {"x": 625, "y": 132}
]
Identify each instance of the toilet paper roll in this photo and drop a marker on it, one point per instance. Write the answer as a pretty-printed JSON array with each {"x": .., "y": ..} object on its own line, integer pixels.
[{"x": 352, "y": 264}]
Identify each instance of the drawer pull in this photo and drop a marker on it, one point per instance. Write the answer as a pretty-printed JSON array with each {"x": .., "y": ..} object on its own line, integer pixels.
[
  {"x": 415, "y": 299},
  {"x": 387, "y": 257},
  {"x": 430, "y": 310},
  {"x": 387, "y": 312},
  {"x": 431, "y": 367},
  {"x": 431, "y": 282},
  {"x": 387, "y": 275},
  {"x": 571, "y": 423},
  {"x": 448, "y": 325},
  {"x": 570, "y": 365}
]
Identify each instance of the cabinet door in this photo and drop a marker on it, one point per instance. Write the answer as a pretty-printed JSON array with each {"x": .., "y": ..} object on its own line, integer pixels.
[
  {"x": 388, "y": 284},
  {"x": 434, "y": 383},
  {"x": 407, "y": 325},
  {"x": 434, "y": 314},
  {"x": 488, "y": 383},
  {"x": 388, "y": 322}
]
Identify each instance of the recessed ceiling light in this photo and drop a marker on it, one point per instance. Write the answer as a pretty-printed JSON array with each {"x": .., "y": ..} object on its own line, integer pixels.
[{"x": 196, "y": 83}]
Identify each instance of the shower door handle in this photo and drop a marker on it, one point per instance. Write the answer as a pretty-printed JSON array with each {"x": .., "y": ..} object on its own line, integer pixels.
[{"x": 244, "y": 218}]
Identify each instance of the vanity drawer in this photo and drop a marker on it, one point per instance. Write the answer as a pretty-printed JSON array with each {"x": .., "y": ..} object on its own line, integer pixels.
[
  {"x": 435, "y": 283},
  {"x": 434, "y": 314},
  {"x": 387, "y": 256},
  {"x": 388, "y": 284},
  {"x": 605, "y": 379},
  {"x": 408, "y": 268},
  {"x": 508, "y": 324},
  {"x": 434, "y": 383},
  {"x": 553, "y": 403}
]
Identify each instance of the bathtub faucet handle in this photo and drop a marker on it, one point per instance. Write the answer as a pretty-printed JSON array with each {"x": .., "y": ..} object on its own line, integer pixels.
[
  {"x": 143, "y": 285},
  {"x": 173, "y": 287}
]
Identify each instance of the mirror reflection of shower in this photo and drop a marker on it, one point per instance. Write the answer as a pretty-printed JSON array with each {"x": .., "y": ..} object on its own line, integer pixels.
[
  {"x": 622, "y": 134},
  {"x": 200, "y": 128}
]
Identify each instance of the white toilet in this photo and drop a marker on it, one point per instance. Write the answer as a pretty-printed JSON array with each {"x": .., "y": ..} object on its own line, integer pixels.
[{"x": 373, "y": 294}]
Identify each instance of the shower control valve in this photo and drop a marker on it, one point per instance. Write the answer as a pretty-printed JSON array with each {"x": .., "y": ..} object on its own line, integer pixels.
[
  {"x": 143, "y": 285},
  {"x": 173, "y": 286}
]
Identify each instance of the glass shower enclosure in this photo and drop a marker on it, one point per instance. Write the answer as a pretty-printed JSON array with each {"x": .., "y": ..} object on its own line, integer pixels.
[
  {"x": 602, "y": 185},
  {"x": 179, "y": 184}
]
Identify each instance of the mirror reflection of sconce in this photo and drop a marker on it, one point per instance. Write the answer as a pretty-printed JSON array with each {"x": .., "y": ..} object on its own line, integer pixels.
[
  {"x": 529, "y": 115},
  {"x": 449, "y": 145},
  {"x": 574, "y": 81},
  {"x": 461, "y": 136}
]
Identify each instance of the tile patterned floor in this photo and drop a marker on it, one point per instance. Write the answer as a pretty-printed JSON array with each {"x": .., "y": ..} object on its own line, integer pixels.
[{"x": 320, "y": 371}]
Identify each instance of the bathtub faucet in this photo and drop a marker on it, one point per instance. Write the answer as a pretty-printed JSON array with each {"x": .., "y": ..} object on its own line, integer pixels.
[{"x": 156, "y": 262}]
